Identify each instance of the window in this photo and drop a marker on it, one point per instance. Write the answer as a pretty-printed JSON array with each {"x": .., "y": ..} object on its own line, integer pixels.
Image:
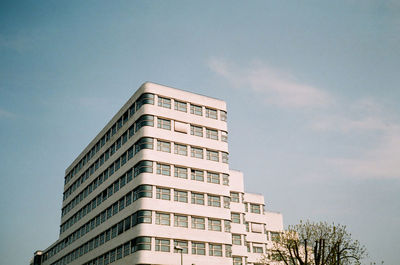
[
  {"x": 197, "y": 175},
  {"x": 198, "y": 223},
  {"x": 225, "y": 179},
  {"x": 144, "y": 216},
  {"x": 214, "y": 201},
  {"x": 212, "y": 177},
  {"x": 163, "y": 169},
  {"x": 234, "y": 196},
  {"x": 180, "y": 196},
  {"x": 228, "y": 251},
  {"x": 246, "y": 207},
  {"x": 212, "y": 155},
  {"x": 196, "y": 110},
  {"x": 181, "y": 221},
  {"x": 257, "y": 248},
  {"x": 181, "y": 106},
  {"x": 143, "y": 191},
  {"x": 255, "y": 208},
  {"x": 197, "y": 198},
  {"x": 247, "y": 226},
  {"x": 224, "y": 157},
  {"x": 145, "y": 98},
  {"x": 196, "y": 130},
  {"x": 162, "y": 219},
  {"x": 211, "y": 134},
  {"x": 224, "y": 136},
  {"x": 227, "y": 202},
  {"x": 214, "y": 225},
  {"x": 163, "y": 194},
  {"x": 211, "y": 113},
  {"x": 235, "y": 217},
  {"x": 164, "y": 124},
  {"x": 164, "y": 102},
  {"x": 180, "y": 149},
  {"x": 275, "y": 236},
  {"x": 196, "y": 152},
  {"x": 223, "y": 115},
  {"x": 143, "y": 166},
  {"x": 227, "y": 226},
  {"x": 145, "y": 120},
  {"x": 181, "y": 172},
  {"x": 182, "y": 244},
  {"x": 198, "y": 248},
  {"x": 141, "y": 243},
  {"x": 215, "y": 250},
  {"x": 236, "y": 239},
  {"x": 162, "y": 245},
  {"x": 163, "y": 146}
]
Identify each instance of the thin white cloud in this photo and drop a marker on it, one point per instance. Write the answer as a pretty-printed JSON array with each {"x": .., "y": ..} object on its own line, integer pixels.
[
  {"x": 365, "y": 117},
  {"x": 274, "y": 86},
  {"x": 380, "y": 162}
]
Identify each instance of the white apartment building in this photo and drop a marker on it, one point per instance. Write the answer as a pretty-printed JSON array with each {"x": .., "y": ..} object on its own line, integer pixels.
[{"x": 154, "y": 187}]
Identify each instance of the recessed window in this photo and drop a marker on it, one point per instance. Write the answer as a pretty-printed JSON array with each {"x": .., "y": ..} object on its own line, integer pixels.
[
  {"x": 211, "y": 134},
  {"x": 196, "y": 130},
  {"x": 180, "y": 196},
  {"x": 224, "y": 157},
  {"x": 163, "y": 219},
  {"x": 255, "y": 208},
  {"x": 225, "y": 179},
  {"x": 214, "y": 201},
  {"x": 236, "y": 239},
  {"x": 212, "y": 155},
  {"x": 234, "y": 196},
  {"x": 164, "y": 102},
  {"x": 181, "y": 172},
  {"x": 224, "y": 136},
  {"x": 214, "y": 225},
  {"x": 211, "y": 113},
  {"x": 257, "y": 248},
  {"x": 163, "y": 169},
  {"x": 198, "y": 223},
  {"x": 164, "y": 146},
  {"x": 164, "y": 124},
  {"x": 227, "y": 202},
  {"x": 162, "y": 245},
  {"x": 182, "y": 244},
  {"x": 196, "y": 110},
  {"x": 237, "y": 261},
  {"x": 163, "y": 194},
  {"x": 213, "y": 177},
  {"x": 223, "y": 115},
  {"x": 196, "y": 152},
  {"x": 227, "y": 226},
  {"x": 197, "y": 198},
  {"x": 228, "y": 251},
  {"x": 198, "y": 248},
  {"x": 180, "y": 221},
  {"x": 235, "y": 217},
  {"x": 215, "y": 250},
  {"x": 180, "y": 106},
  {"x": 180, "y": 149},
  {"x": 197, "y": 175}
]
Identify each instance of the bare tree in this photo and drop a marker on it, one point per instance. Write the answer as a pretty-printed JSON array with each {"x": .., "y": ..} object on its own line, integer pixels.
[{"x": 310, "y": 243}]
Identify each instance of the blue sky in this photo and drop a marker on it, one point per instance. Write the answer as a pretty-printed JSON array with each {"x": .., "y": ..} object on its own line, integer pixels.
[{"x": 312, "y": 90}]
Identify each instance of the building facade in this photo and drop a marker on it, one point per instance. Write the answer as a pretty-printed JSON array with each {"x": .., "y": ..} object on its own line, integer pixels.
[{"x": 154, "y": 187}]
